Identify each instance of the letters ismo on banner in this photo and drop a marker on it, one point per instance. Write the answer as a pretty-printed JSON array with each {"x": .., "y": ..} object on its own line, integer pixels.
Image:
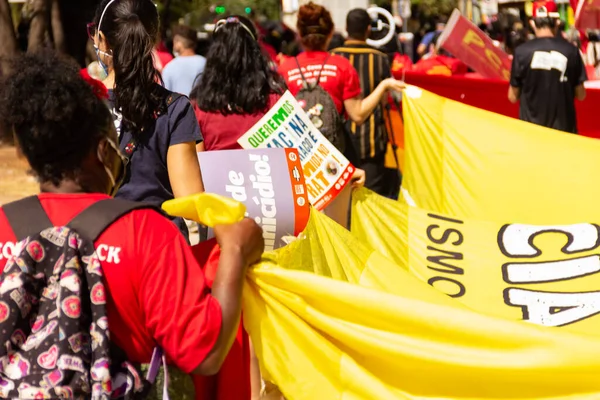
[
  {"x": 549, "y": 260},
  {"x": 269, "y": 182},
  {"x": 286, "y": 125}
]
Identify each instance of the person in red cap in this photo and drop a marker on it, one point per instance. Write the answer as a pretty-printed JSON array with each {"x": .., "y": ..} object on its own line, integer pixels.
[{"x": 547, "y": 74}]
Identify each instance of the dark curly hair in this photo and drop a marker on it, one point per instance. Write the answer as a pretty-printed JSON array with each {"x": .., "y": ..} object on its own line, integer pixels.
[
  {"x": 55, "y": 115},
  {"x": 315, "y": 25},
  {"x": 131, "y": 29},
  {"x": 238, "y": 78}
]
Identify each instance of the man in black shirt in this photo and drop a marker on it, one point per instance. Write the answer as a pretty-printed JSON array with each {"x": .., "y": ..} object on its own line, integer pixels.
[
  {"x": 547, "y": 74},
  {"x": 371, "y": 138}
]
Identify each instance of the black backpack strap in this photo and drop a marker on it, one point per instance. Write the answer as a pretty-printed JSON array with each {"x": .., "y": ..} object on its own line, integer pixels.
[
  {"x": 318, "y": 83},
  {"x": 132, "y": 144},
  {"x": 94, "y": 220},
  {"x": 322, "y": 68},
  {"x": 301, "y": 73},
  {"x": 26, "y": 217}
]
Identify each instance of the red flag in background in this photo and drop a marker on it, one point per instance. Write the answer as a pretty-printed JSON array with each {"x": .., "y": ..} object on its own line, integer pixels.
[
  {"x": 587, "y": 14},
  {"x": 465, "y": 41}
]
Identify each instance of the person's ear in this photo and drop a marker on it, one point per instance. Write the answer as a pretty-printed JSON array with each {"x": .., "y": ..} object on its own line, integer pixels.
[
  {"x": 532, "y": 24},
  {"x": 103, "y": 152},
  {"x": 102, "y": 43}
]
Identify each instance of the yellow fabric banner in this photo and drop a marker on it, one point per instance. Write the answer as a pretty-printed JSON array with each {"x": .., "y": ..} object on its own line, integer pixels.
[
  {"x": 332, "y": 318},
  {"x": 548, "y": 275},
  {"x": 366, "y": 335},
  {"x": 464, "y": 161}
]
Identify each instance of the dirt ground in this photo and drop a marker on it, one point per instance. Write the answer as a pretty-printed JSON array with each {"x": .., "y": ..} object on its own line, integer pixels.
[{"x": 15, "y": 183}]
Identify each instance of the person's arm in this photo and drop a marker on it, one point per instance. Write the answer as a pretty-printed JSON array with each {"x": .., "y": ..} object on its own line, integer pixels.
[
  {"x": 581, "y": 77},
  {"x": 580, "y": 92},
  {"x": 360, "y": 109},
  {"x": 194, "y": 327},
  {"x": 516, "y": 79},
  {"x": 182, "y": 160},
  {"x": 514, "y": 93},
  {"x": 184, "y": 170},
  {"x": 241, "y": 245}
]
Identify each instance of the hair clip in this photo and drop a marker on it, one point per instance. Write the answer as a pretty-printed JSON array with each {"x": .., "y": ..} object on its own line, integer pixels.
[{"x": 233, "y": 20}]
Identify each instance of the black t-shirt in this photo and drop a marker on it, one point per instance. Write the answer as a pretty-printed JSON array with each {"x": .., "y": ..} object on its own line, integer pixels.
[{"x": 547, "y": 70}]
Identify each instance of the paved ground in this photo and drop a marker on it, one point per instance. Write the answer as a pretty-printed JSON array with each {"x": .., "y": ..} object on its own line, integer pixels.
[{"x": 15, "y": 183}]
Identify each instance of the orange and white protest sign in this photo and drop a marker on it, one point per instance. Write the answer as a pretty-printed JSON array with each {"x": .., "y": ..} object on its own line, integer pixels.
[{"x": 326, "y": 170}]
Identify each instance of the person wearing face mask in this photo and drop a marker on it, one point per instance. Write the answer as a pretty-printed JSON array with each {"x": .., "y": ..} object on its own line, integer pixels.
[
  {"x": 156, "y": 293},
  {"x": 157, "y": 129},
  {"x": 181, "y": 74}
]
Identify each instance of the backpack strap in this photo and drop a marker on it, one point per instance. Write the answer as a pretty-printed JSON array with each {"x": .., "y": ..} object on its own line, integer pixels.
[
  {"x": 26, "y": 217},
  {"x": 93, "y": 221},
  {"x": 301, "y": 73},
  {"x": 318, "y": 83},
  {"x": 132, "y": 144},
  {"x": 322, "y": 68}
]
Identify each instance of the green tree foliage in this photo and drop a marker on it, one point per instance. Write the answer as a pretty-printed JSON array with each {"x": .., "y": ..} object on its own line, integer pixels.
[
  {"x": 436, "y": 7},
  {"x": 428, "y": 7},
  {"x": 201, "y": 9}
]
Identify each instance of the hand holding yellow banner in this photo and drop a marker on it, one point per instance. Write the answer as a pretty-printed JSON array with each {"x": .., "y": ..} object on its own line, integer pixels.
[{"x": 322, "y": 338}]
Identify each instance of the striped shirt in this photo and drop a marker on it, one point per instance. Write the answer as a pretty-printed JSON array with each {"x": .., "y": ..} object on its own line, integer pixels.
[{"x": 373, "y": 66}]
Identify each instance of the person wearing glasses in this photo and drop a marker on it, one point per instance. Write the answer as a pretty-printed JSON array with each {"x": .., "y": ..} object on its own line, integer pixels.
[{"x": 157, "y": 129}]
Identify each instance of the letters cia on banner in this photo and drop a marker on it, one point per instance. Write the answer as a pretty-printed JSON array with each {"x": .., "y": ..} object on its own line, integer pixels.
[
  {"x": 544, "y": 274},
  {"x": 269, "y": 182},
  {"x": 286, "y": 125}
]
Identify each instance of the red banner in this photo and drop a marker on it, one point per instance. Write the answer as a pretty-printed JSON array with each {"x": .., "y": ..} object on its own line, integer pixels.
[
  {"x": 587, "y": 14},
  {"x": 465, "y": 41}
]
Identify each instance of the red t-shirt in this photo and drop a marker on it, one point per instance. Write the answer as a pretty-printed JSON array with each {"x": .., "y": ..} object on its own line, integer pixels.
[
  {"x": 339, "y": 78},
  {"x": 156, "y": 291},
  {"x": 221, "y": 132}
]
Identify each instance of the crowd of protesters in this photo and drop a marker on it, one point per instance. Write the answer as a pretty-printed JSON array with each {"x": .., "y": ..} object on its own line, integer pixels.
[{"x": 136, "y": 137}]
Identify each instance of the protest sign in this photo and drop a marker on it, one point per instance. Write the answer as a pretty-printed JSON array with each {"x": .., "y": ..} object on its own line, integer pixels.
[
  {"x": 286, "y": 125},
  {"x": 269, "y": 182},
  {"x": 465, "y": 41}
]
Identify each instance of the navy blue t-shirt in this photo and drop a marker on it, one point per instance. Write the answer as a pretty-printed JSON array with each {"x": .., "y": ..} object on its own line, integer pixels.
[{"x": 147, "y": 178}]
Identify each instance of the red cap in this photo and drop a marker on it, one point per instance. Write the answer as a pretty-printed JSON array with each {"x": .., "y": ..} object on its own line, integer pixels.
[{"x": 545, "y": 9}]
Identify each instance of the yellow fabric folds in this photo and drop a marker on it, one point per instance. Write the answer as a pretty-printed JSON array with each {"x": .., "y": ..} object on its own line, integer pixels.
[
  {"x": 368, "y": 315},
  {"x": 323, "y": 338},
  {"x": 471, "y": 261},
  {"x": 468, "y": 162}
]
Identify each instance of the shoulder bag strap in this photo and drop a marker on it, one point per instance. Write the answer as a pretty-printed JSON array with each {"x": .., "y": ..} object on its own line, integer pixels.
[
  {"x": 301, "y": 73},
  {"x": 322, "y": 68},
  {"x": 93, "y": 221},
  {"x": 26, "y": 217}
]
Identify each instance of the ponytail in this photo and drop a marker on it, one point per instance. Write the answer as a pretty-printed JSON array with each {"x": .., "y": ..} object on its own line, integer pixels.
[
  {"x": 136, "y": 94},
  {"x": 131, "y": 28}
]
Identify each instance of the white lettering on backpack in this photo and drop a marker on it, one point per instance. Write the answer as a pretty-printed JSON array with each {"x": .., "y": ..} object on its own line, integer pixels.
[
  {"x": 7, "y": 250},
  {"x": 106, "y": 253}
]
